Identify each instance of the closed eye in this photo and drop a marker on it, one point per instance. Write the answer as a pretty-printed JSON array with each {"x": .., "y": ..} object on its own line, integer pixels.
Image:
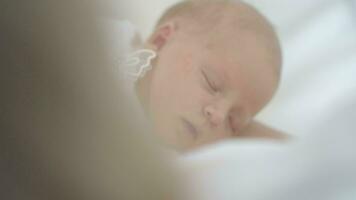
[{"x": 211, "y": 85}]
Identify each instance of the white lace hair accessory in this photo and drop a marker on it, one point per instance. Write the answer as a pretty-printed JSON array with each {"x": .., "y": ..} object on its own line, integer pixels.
[{"x": 138, "y": 63}]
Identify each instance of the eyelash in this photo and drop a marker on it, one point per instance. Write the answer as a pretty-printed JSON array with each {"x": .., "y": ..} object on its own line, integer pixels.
[{"x": 212, "y": 87}]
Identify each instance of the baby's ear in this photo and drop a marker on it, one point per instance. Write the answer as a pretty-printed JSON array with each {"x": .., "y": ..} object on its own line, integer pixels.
[{"x": 162, "y": 35}]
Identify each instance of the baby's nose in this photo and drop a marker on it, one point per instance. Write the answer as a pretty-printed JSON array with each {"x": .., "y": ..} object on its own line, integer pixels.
[{"x": 215, "y": 116}]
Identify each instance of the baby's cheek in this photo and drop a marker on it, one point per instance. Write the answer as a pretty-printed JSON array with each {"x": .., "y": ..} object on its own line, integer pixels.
[
  {"x": 177, "y": 83},
  {"x": 196, "y": 97},
  {"x": 167, "y": 94},
  {"x": 187, "y": 64}
]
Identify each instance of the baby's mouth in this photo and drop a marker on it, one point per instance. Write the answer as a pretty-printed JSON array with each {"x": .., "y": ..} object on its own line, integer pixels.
[{"x": 190, "y": 128}]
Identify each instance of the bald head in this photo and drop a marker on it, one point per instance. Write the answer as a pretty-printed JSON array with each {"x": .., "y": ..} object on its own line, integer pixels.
[
  {"x": 218, "y": 19},
  {"x": 210, "y": 13}
]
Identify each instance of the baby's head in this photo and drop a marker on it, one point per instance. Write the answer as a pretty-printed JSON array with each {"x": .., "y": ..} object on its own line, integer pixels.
[{"x": 218, "y": 65}]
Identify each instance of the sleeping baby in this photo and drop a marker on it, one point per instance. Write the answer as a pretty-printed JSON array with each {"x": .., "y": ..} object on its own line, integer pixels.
[{"x": 208, "y": 68}]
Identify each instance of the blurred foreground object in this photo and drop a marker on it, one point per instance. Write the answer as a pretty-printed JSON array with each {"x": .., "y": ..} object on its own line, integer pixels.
[{"x": 66, "y": 129}]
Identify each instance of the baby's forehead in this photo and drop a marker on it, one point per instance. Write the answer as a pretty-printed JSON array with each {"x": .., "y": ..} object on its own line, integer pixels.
[{"x": 231, "y": 57}]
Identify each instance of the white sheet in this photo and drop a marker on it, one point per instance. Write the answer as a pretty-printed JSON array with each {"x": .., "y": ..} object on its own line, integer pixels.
[
  {"x": 320, "y": 166},
  {"x": 319, "y": 42}
]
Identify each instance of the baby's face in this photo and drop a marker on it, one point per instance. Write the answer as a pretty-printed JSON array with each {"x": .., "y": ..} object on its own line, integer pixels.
[{"x": 204, "y": 92}]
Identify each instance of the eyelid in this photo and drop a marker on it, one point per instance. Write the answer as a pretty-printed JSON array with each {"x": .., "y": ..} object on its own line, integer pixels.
[{"x": 210, "y": 83}]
